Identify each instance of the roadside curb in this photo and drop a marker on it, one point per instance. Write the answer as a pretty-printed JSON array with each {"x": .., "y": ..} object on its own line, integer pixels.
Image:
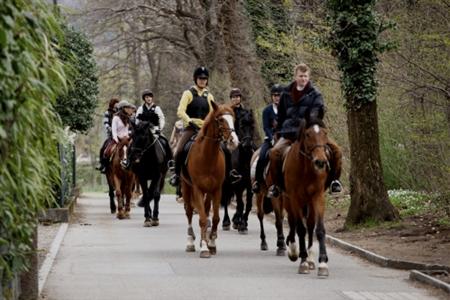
[
  {"x": 62, "y": 214},
  {"x": 416, "y": 269},
  {"x": 50, "y": 258}
]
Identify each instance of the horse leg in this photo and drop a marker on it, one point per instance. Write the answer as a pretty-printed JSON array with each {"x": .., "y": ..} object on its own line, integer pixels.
[
  {"x": 187, "y": 192},
  {"x": 248, "y": 209},
  {"x": 259, "y": 204},
  {"x": 146, "y": 202},
  {"x": 310, "y": 225},
  {"x": 199, "y": 204},
  {"x": 112, "y": 203},
  {"x": 290, "y": 240},
  {"x": 301, "y": 231},
  {"x": 156, "y": 197},
  {"x": 237, "y": 217},
  {"x": 319, "y": 208},
  {"x": 278, "y": 209},
  {"x": 215, "y": 221},
  {"x": 226, "y": 223},
  {"x": 128, "y": 195},
  {"x": 119, "y": 197}
]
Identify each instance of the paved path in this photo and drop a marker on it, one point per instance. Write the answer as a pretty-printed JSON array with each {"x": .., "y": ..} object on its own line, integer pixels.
[{"x": 105, "y": 258}]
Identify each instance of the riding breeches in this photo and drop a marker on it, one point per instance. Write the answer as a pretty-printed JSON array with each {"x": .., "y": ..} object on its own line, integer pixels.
[{"x": 262, "y": 161}]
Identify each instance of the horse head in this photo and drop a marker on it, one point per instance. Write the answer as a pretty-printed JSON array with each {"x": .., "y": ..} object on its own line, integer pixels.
[
  {"x": 313, "y": 140},
  {"x": 246, "y": 129},
  {"x": 143, "y": 139},
  {"x": 223, "y": 117}
]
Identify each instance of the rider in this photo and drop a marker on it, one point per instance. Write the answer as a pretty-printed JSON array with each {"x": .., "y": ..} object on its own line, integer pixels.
[
  {"x": 107, "y": 119},
  {"x": 296, "y": 99},
  {"x": 194, "y": 106},
  {"x": 121, "y": 124},
  {"x": 149, "y": 108},
  {"x": 269, "y": 120}
]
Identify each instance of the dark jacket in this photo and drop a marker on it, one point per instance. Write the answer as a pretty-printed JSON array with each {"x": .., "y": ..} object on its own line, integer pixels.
[
  {"x": 269, "y": 118},
  {"x": 238, "y": 111},
  {"x": 290, "y": 112}
]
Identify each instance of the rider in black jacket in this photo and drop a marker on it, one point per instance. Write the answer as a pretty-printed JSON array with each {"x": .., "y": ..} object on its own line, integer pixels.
[{"x": 298, "y": 98}]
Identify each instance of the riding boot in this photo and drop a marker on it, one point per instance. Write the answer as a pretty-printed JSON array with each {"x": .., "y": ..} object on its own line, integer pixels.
[
  {"x": 175, "y": 179},
  {"x": 335, "y": 187}
]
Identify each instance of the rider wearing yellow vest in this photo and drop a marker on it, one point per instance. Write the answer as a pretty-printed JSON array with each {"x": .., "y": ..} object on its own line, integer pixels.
[{"x": 194, "y": 106}]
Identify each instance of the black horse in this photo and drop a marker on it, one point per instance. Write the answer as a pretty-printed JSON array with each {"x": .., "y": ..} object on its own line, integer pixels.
[
  {"x": 241, "y": 163},
  {"x": 149, "y": 155}
]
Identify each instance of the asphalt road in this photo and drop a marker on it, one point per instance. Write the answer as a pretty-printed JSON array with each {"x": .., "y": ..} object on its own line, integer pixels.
[{"x": 102, "y": 257}]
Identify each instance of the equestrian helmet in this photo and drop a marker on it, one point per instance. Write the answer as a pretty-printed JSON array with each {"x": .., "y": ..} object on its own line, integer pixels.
[
  {"x": 200, "y": 72},
  {"x": 235, "y": 92},
  {"x": 147, "y": 93},
  {"x": 123, "y": 104},
  {"x": 276, "y": 89}
]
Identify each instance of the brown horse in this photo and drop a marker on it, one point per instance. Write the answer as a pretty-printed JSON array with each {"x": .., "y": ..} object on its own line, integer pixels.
[
  {"x": 266, "y": 205},
  {"x": 204, "y": 174},
  {"x": 123, "y": 180},
  {"x": 306, "y": 169}
]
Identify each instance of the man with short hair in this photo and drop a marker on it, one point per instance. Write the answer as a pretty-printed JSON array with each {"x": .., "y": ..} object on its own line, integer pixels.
[{"x": 298, "y": 98}]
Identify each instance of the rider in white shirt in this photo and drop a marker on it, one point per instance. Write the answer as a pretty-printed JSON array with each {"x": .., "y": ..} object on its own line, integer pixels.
[{"x": 149, "y": 107}]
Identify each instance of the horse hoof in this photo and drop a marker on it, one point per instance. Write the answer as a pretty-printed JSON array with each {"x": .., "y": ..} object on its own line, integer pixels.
[
  {"x": 281, "y": 252},
  {"x": 190, "y": 248},
  {"x": 292, "y": 257},
  {"x": 243, "y": 231},
  {"x": 147, "y": 223},
  {"x": 205, "y": 254},
  {"x": 322, "y": 270},
  {"x": 264, "y": 247},
  {"x": 303, "y": 268},
  {"x": 235, "y": 226},
  {"x": 155, "y": 222},
  {"x": 212, "y": 250},
  {"x": 226, "y": 227},
  {"x": 120, "y": 215},
  {"x": 126, "y": 215},
  {"x": 312, "y": 265}
]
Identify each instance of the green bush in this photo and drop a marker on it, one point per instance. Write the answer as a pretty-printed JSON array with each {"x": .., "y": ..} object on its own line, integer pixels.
[{"x": 31, "y": 77}]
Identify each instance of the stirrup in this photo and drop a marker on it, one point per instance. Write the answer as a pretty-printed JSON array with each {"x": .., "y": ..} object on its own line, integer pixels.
[
  {"x": 174, "y": 180},
  {"x": 273, "y": 192},
  {"x": 171, "y": 164},
  {"x": 335, "y": 187},
  {"x": 235, "y": 176}
]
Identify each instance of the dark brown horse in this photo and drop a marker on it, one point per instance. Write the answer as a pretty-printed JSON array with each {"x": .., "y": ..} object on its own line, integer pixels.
[
  {"x": 266, "y": 205},
  {"x": 306, "y": 169},
  {"x": 204, "y": 174},
  {"x": 123, "y": 180}
]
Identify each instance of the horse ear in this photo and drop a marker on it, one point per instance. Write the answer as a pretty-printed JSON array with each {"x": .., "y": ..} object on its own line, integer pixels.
[
  {"x": 301, "y": 129},
  {"x": 214, "y": 105}
]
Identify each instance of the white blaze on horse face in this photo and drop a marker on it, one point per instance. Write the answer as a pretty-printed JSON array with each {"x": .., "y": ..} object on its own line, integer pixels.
[
  {"x": 316, "y": 128},
  {"x": 234, "y": 141}
]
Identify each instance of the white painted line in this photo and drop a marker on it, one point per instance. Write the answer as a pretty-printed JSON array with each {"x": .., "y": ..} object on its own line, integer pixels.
[{"x": 51, "y": 255}]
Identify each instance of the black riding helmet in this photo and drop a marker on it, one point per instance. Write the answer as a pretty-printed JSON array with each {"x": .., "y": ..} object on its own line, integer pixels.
[
  {"x": 276, "y": 89},
  {"x": 147, "y": 93},
  {"x": 200, "y": 72},
  {"x": 235, "y": 92}
]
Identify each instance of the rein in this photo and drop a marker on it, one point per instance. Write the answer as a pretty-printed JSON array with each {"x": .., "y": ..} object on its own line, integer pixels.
[
  {"x": 221, "y": 136},
  {"x": 141, "y": 151},
  {"x": 309, "y": 156}
]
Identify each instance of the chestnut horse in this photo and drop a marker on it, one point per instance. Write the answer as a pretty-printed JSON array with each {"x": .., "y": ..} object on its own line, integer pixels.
[
  {"x": 123, "y": 180},
  {"x": 204, "y": 174},
  {"x": 266, "y": 205},
  {"x": 306, "y": 168}
]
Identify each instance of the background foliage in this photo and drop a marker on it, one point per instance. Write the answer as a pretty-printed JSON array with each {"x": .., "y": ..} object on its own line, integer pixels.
[
  {"x": 76, "y": 107},
  {"x": 31, "y": 77}
]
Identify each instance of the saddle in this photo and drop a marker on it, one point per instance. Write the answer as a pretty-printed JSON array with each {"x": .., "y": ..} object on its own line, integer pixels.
[{"x": 162, "y": 149}]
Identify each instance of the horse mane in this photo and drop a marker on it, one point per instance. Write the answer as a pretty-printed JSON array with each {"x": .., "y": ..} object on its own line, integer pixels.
[{"x": 248, "y": 118}]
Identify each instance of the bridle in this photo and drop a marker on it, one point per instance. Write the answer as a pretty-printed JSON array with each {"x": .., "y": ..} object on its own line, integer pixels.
[
  {"x": 222, "y": 130},
  {"x": 140, "y": 151}
]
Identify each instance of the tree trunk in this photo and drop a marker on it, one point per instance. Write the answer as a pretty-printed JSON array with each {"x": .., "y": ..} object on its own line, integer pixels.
[{"x": 369, "y": 199}]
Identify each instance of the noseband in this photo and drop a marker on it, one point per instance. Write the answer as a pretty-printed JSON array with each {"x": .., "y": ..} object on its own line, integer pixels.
[{"x": 222, "y": 130}]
